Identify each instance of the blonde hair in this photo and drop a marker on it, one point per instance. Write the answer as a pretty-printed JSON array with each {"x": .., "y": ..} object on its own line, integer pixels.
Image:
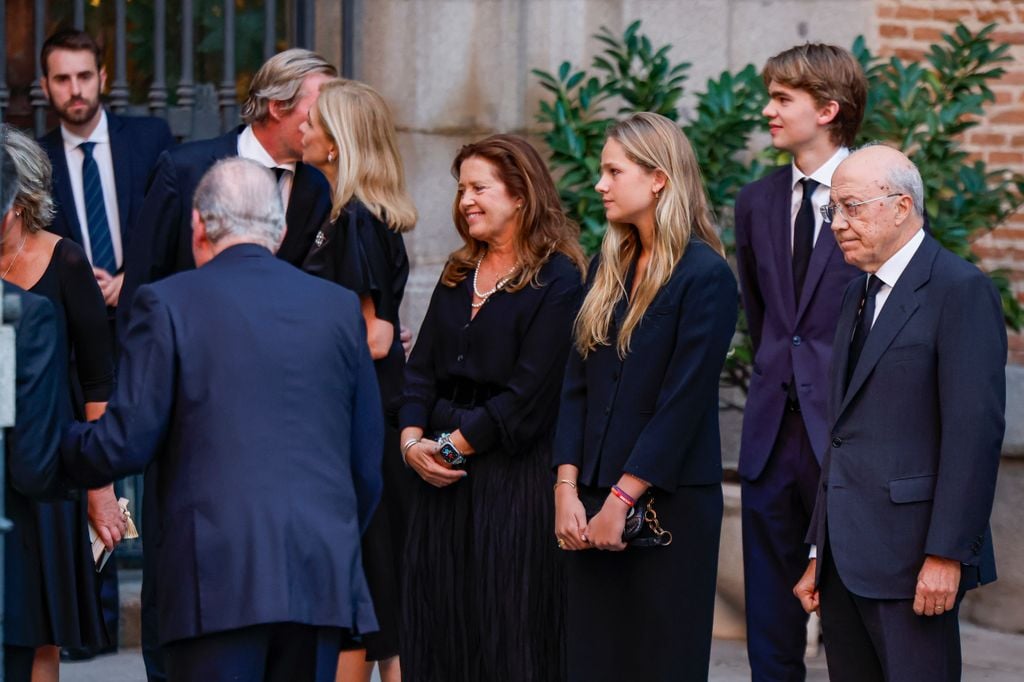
[
  {"x": 32, "y": 167},
  {"x": 656, "y": 144},
  {"x": 544, "y": 229},
  {"x": 358, "y": 120},
  {"x": 280, "y": 79}
]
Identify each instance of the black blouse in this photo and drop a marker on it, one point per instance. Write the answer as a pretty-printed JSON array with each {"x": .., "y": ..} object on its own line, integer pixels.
[
  {"x": 517, "y": 343},
  {"x": 68, "y": 281},
  {"x": 360, "y": 252}
]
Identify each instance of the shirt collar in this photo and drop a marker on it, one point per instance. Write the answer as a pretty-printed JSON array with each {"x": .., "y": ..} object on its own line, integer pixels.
[
  {"x": 100, "y": 134},
  {"x": 893, "y": 268},
  {"x": 249, "y": 147},
  {"x": 823, "y": 176}
]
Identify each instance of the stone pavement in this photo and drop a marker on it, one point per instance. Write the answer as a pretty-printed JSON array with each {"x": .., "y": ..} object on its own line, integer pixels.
[{"x": 988, "y": 657}]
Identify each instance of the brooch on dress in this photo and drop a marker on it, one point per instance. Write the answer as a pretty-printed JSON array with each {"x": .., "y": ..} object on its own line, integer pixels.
[{"x": 320, "y": 239}]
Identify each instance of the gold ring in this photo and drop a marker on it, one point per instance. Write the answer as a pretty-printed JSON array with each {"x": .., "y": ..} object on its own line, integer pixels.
[{"x": 561, "y": 543}]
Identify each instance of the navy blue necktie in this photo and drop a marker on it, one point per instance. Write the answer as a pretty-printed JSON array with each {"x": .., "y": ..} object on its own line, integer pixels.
[
  {"x": 803, "y": 236},
  {"x": 96, "y": 212},
  {"x": 864, "y": 323}
]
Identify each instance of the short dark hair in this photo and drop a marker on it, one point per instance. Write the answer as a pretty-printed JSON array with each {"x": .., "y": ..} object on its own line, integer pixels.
[
  {"x": 827, "y": 73},
  {"x": 70, "y": 39}
]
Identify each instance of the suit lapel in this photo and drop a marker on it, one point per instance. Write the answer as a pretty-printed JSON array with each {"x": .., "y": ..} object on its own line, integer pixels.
[
  {"x": 120, "y": 152},
  {"x": 824, "y": 247},
  {"x": 898, "y": 309},
  {"x": 844, "y": 334},
  {"x": 780, "y": 223},
  {"x": 54, "y": 144},
  {"x": 307, "y": 194}
]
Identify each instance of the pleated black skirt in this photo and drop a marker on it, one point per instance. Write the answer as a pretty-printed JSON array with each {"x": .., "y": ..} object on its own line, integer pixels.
[
  {"x": 646, "y": 613},
  {"x": 483, "y": 580}
]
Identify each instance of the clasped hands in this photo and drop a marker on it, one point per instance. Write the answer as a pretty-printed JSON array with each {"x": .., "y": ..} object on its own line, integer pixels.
[
  {"x": 425, "y": 459},
  {"x": 603, "y": 531},
  {"x": 938, "y": 582}
]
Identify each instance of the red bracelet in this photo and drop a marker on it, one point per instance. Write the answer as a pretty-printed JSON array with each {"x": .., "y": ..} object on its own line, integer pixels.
[{"x": 623, "y": 495}]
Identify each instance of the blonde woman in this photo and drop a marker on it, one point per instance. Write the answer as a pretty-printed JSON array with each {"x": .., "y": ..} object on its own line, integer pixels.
[
  {"x": 350, "y": 138},
  {"x": 68, "y": 608},
  {"x": 638, "y": 421}
]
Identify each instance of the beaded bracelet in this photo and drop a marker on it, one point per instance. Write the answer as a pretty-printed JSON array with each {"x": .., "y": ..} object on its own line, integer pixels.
[{"x": 623, "y": 495}]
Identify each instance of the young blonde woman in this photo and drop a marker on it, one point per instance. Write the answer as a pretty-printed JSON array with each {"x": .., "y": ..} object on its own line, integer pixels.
[
  {"x": 350, "y": 138},
  {"x": 639, "y": 415}
]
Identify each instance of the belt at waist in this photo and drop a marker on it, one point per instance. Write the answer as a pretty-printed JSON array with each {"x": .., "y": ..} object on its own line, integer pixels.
[{"x": 465, "y": 393}]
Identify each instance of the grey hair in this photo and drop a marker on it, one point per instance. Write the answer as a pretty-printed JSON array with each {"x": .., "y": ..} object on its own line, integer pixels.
[
  {"x": 280, "y": 79},
  {"x": 32, "y": 178},
  {"x": 8, "y": 176},
  {"x": 903, "y": 178},
  {"x": 238, "y": 199}
]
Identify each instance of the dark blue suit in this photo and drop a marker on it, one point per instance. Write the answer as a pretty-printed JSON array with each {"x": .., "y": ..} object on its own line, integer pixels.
[
  {"x": 652, "y": 414},
  {"x": 781, "y": 450},
  {"x": 135, "y": 145},
  {"x": 32, "y": 468},
  {"x": 164, "y": 244},
  {"x": 913, "y": 454},
  {"x": 251, "y": 385}
]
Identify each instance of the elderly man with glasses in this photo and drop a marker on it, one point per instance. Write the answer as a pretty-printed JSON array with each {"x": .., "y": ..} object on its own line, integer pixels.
[{"x": 901, "y": 522}]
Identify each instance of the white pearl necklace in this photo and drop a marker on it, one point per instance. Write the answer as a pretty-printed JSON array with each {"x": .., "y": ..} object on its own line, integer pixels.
[{"x": 483, "y": 296}]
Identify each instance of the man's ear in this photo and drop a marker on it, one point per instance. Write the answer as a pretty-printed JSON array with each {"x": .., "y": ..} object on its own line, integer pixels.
[
  {"x": 904, "y": 208},
  {"x": 103, "y": 79},
  {"x": 275, "y": 109},
  {"x": 828, "y": 113},
  {"x": 45, "y": 85}
]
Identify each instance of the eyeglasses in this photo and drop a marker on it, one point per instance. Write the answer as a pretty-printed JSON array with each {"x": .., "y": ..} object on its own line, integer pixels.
[{"x": 850, "y": 209}]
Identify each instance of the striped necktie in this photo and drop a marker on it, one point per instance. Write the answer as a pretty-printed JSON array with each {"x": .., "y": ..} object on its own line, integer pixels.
[{"x": 96, "y": 212}]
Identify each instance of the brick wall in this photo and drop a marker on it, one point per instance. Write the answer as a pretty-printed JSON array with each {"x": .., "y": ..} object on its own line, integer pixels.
[{"x": 906, "y": 28}]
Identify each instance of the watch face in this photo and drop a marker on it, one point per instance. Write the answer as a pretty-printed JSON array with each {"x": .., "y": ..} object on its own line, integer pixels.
[{"x": 450, "y": 454}]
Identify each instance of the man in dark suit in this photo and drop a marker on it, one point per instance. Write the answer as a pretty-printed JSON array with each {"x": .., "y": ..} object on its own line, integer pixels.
[
  {"x": 792, "y": 277},
  {"x": 251, "y": 384},
  {"x": 280, "y": 96},
  {"x": 916, "y": 420},
  {"x": 122, "y": 152}
]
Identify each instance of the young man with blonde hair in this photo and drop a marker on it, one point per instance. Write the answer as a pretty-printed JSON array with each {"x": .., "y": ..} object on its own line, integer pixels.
[{"x": 792, "y": 278}]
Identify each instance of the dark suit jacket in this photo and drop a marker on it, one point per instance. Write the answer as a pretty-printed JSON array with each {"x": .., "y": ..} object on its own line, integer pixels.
[
  {"x": 251, "y": 384},
  {"x": 654, "y": 414},
  {"x": 915, "y": 439},
  {"x": 791, "y": 338},
  {"x": 32, "y": 462},
  {"x": 135, "y": 145},
  {"x": 164, "y": 244}
]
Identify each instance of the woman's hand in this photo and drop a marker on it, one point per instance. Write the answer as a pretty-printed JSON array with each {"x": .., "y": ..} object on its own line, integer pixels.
[
  {"x": 570, "y": 519},
  {"x": 423, "y": 457},
  {"x": 605, "y": 530}
]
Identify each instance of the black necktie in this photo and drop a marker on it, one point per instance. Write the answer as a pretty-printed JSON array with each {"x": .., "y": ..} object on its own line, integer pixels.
[
  {"x": 100, "y": 242},
  {"x": 803, "y": 236},
  {"x": 278, "y": 173},
  {"x": 864, "y": 321}
]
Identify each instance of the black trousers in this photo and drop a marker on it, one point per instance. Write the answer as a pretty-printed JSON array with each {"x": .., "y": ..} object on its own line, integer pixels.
[
  {"x": 883, "y": 639},
  {"x": 275, "y": 652}
]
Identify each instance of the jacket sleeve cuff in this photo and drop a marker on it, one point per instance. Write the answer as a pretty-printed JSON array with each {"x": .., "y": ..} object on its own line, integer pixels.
[{"x": 412, "y": 414}]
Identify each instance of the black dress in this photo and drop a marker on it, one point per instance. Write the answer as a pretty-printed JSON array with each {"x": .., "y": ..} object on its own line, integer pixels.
[
  {"x": 359, "y": 252},
  {"x": 646, "y": 613},
  {"x": 483, "y": 582},
  {"x": 72, "y": 602}
]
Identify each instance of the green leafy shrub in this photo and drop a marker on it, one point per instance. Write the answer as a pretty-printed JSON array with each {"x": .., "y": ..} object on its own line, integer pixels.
[{"x": 922, "y": 108}]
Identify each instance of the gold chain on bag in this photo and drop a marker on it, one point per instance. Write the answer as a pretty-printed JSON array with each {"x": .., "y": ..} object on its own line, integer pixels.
[{"x": 651, "y": 517}]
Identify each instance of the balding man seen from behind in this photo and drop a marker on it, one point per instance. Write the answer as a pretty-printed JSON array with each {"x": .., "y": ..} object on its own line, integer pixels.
[{"x": 251, "y": 385}]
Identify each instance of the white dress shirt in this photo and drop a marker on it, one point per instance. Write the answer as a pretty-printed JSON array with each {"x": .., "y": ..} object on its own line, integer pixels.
[
  {"x": 105, "y": 165},
  {"x": 823, "y": 176},
  {"x": 250, "y": 148},
  {"x": 892, "y": 270}
]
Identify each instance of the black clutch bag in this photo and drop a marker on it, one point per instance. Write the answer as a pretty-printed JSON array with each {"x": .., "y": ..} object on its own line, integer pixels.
[{"x": 642, "y": 528}]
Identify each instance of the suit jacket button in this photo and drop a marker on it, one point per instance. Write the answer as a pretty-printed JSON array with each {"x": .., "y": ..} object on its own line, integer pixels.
[
  {"x": 837, "y": 442},
  {"x": 797, "y": 340}
]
